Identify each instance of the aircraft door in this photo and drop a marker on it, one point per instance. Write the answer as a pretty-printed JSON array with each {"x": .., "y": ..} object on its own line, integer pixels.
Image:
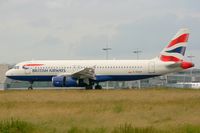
[{"x": 151, "y": 67}]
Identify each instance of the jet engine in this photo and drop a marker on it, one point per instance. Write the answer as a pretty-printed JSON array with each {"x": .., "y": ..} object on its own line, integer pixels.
[{"x": 65, "y": 81}]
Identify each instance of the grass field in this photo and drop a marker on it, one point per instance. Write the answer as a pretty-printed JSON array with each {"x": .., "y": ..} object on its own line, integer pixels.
[{"x": 102, "y": 111}]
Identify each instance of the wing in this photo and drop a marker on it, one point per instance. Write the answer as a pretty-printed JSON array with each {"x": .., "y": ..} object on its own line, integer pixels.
[{"x": 86, "y": 73}]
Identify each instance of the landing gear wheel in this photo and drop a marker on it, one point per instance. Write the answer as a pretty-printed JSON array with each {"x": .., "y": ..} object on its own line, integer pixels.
[
  {"x": 89, "y": 87},
  {"x": 31, "y": 86},
  {"x": 98, "y": 87}
]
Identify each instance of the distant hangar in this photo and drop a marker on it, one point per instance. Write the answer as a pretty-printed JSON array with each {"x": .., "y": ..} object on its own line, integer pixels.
[{"x": 3, "y": 69}]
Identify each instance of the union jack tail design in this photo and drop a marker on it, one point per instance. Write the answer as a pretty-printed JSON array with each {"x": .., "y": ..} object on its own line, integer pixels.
[{"x": 175, "y": 50}]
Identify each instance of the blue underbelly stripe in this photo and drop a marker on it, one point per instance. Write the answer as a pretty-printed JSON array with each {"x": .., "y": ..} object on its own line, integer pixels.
[{"x": 99, "y": 78}]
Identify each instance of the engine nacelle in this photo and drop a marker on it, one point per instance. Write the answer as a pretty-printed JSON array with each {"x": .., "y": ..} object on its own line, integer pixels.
[{"x": 63, "y": 81}]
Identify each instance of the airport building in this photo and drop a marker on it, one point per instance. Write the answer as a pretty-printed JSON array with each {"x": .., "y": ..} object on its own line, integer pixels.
[
  {"x": 3, "y": 82},
  {"x": 185, "y": 79}
]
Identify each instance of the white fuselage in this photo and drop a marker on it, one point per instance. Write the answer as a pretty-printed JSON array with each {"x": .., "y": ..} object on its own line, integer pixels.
[{"x": 105, "y": 70}]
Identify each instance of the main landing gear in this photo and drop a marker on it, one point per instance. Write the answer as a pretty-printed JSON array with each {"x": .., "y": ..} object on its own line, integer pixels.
[
  {"x": 98, "y": 87},
  {"x": 31, "y": 86},
  {"x": 90, "y": 87}
]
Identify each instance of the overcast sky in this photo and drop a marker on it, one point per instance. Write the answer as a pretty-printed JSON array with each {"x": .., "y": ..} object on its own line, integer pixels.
[{"x": 79, "y": 29}]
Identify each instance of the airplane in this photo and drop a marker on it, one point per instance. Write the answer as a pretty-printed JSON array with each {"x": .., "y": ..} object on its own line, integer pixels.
[{"x": 89, "y": 73}]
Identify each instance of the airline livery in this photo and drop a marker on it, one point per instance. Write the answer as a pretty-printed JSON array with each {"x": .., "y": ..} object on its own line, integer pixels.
[{"x": 89, "y": 73}]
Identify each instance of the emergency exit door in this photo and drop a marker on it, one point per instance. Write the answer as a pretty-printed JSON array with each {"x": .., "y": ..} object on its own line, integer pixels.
[{"x": 151, "y": 67}]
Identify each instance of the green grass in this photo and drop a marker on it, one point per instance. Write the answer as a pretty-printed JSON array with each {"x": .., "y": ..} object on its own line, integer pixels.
[
  {"x": 102, "y": 111},
  {"x": 128, "y": 128},
  {"x": 16, "y": 126}
]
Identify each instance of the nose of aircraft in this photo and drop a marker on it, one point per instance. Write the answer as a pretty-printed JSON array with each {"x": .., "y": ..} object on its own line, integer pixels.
[{"x": 9, "y": 73}]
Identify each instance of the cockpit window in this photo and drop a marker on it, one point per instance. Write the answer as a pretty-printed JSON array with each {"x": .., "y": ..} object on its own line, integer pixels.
[{"x": 16, "y": 67}]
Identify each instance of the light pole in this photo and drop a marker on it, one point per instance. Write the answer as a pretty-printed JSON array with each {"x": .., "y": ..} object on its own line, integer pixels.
[
  {"x": 190, "y": 57},
  {"x": 107, "y": 52},
  {"x": 137, "y": 52}
]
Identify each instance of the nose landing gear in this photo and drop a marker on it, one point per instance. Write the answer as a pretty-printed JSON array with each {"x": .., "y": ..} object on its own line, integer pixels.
[{"x": 31, "y": 86}]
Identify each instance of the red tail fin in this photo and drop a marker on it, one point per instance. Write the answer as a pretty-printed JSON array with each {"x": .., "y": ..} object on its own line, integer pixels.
[{"x": 175, "y": 50}]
